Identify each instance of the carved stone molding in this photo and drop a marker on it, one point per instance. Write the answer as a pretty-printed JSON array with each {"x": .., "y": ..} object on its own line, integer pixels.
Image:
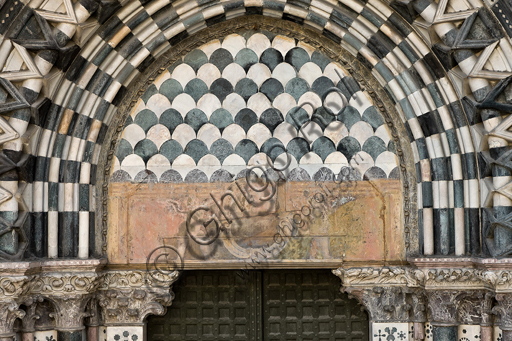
[
  {"x": 462, "y": 279},
  {"x": 388, "y": 276},
  {"x": 504, "y": 310},
  {"x": 128, "y": 297}
]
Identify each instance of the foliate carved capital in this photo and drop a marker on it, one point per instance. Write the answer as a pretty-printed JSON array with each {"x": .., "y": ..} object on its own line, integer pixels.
[
  {"x": 388, "y": 276},
  {"x": 129, "y": 297},
  {"x": 69, "y": 292},
  {"x": 69, "y": 311},
  {"x": 387, "y": 304},
  {"x": 486, "y": 302},
  {"x": 31, "y": 315},
  {"x": 9, "y": 312},
  {"x": 471, "y": 307},
  {"x": 442, "y": 307},
  {"x": 504, "y": 310},
  {"x": 419, "y": 305}
]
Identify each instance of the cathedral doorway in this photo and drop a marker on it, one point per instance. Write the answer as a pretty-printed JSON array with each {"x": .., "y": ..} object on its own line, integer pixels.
[{"x": 260, "y": 305}]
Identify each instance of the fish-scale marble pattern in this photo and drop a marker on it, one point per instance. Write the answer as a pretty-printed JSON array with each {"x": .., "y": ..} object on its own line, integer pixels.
[{"x": 256, "y": 100}]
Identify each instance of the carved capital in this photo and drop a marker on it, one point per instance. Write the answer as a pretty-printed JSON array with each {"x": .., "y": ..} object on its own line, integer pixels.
[
  {"x": 419, "y": 305},
  {"x": 387, "y": 304},
  {"x": 504, "y": 310},
  {"x": 469, "y": 306},
  {"x": 129, "y": 297},
  {"x": 9, "y": 312},
  {"x": 486, "y": 299},
  {"x": 69, "y": 311},
  {"x": 442, "y": 307},
  {"x": 31, "y": 315}
]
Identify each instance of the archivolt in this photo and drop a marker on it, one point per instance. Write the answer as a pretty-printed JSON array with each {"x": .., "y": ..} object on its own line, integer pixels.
[{"x": 136, "y": 36}]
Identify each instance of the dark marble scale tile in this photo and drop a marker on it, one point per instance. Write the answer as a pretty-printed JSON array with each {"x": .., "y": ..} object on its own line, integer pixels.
[
  {"x": 146, "y": 119},
  {"x": 374, "y": 173},
  {"x": 321, "y": 85},
  {"x": 349, "y": 116},
  {"x": 171, "y": 118},
  {"x": 150, "y": 91},
  {"x": 145, "y": 176},
  {"x": 297, "y": 87},
  {"x": 145, "y": 149},
  {"x": 221, "y": 149},
  {"x": 271, "y": 88},
  {"x": 246, "y": 58},
  {"x": 221, "y": 175},
  {"x": 221, "y": 88},
  {"x": 170, "y": 176},
  {"x": 246, "y": 118},
  {"x": 222, "y": 58},
  {"x": 323, "y": 116},
  {"x": 246, "y": 87},
  {"x": 246, "y": 149},
  {"x": 374, "y": 146},
  {"x": 170, "y": 89},
  {"x": 373, "y": 117},
  {"x": 221, "y": 118},
  {"x": 196, "y": 149},
  {"x": 196, "y": 88},
  {"x": 124, "y": 148},
  {"x": 271, "y": 58},
  {"x": 273, "y": 148},
  {"x": 323, "y": 147},
  {"x": 320, "y": 59},
  {"x": 171, "y": 149},
  {"x": 297, "y": 116},
  {"x": 349, "y": 146},
  {"x": 271, "y": 118},
  {"x": 297, "y": 57},
  {"x": 196, "y": 176},
  {"x": 196, "y": 118},
  {"x": 298, "y": 147},
  {"x": 195, "y": 59}
]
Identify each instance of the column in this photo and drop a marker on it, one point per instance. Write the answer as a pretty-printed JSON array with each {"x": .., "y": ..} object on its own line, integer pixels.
[
  {"x": 444, "y": 314},
  {"x": 129, "y": 298}
]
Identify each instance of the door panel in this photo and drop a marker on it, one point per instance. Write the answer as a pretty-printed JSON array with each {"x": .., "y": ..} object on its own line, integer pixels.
[
  {"x": 266, "y": 305},
  {"x": 308, "y": 305},
  {"x": 211, "y": 305}
]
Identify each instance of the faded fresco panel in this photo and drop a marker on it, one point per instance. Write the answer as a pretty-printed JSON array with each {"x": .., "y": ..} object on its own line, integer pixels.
[{"x": 298, "y": 223}]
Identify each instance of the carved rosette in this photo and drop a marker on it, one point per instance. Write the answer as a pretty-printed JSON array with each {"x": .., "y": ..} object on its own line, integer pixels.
[
  {"x": 127, "y": 298},
  {"x": 70, "y": 293}
]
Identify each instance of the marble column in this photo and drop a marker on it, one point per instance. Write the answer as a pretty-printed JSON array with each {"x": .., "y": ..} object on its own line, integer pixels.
[{"x": 443, "y": 312}]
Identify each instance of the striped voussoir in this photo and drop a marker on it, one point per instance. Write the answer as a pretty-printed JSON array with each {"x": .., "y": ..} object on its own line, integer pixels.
[{"x": 73, "y": 103}]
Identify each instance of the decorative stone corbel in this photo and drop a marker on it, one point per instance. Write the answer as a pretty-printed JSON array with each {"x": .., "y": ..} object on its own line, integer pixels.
[{"x": 128, "y": 297}]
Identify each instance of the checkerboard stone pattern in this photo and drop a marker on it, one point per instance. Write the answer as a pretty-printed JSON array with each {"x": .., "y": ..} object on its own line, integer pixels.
[{"x": 248, "y": 100}]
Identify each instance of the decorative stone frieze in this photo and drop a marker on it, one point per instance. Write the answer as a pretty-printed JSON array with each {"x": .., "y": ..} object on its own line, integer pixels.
[
  {"x": 128, "y": 297},
  {"x": 388, "y": 276}
]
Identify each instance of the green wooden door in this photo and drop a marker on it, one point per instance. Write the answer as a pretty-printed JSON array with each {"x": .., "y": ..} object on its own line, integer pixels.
[{"x": 266, "y": 305}]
